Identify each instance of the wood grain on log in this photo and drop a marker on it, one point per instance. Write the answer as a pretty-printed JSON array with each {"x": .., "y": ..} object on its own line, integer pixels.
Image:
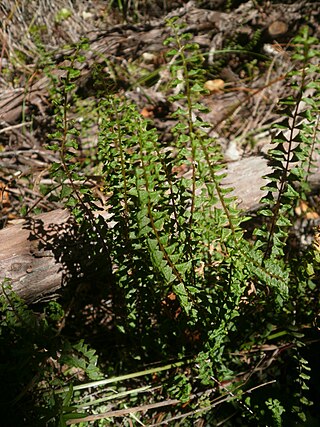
[{"x": 34, "y": 272}]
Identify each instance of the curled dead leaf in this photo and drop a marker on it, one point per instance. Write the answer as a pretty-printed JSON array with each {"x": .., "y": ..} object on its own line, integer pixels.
[
  {"x": 277, "y": 28},
  {"x": 214, "y": 86}
]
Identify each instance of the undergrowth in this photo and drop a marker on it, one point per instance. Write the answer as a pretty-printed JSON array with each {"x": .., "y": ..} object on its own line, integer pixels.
[{"x": 220, "y": 321}]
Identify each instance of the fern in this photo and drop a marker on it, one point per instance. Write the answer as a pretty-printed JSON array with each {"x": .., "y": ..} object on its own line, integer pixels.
[
  {"x": 292, "y": 157},
  {"x": 184, "y": 281},
  {"x": 182, "y": 235}
]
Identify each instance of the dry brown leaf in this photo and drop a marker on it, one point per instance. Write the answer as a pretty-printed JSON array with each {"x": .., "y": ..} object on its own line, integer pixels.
[
  {"x": 214, "y": 86},
  {"x": 4, "y": 196}
]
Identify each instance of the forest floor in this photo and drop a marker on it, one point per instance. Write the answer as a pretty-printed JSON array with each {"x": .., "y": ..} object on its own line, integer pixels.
[{"x": 247, "y": 51}]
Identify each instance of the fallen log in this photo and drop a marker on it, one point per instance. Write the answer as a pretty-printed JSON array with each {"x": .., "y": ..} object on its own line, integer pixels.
[
  {"x": 33, "y": 271},
  {"x": 46, "y": 251}
]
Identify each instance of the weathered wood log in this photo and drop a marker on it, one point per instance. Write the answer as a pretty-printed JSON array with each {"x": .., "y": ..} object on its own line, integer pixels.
[
  {"x": 34, "y": 272},
  {"x": 47, "y": 250}
]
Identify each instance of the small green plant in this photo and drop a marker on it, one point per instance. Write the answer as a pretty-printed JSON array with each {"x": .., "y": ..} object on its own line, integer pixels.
[{"x": 276, "y": 410}]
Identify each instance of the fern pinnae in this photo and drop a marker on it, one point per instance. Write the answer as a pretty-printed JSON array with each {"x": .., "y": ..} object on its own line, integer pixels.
[
  {"x": 198, "y": 136},
  {"x": 119, "y": 146},
  {"x": 283, "y": 157},
  {"x": 61, "y": 98},
  {"x": 149, "y": 210},
  {"x": 313, "y": 145},
  {"x": 215, "y": 181},
  {"x": 190, "y": 130},
  {"x": 191, "y": 135},
  {"x": 283, "y": 180}
]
